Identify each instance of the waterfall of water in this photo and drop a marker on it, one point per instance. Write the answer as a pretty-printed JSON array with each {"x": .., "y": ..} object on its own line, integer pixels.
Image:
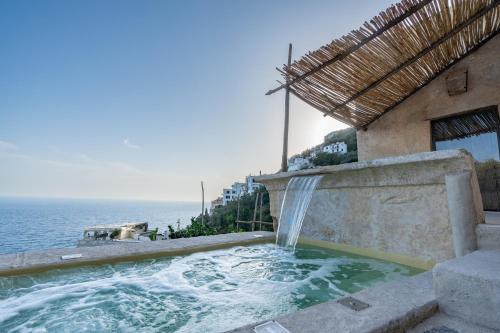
[{"x": 298, "y": 195}]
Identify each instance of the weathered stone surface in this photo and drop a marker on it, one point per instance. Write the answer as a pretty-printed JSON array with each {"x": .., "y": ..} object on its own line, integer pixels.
[
  {"x": 461, "y": 208},
  {"x": 406, "y": 129},
  {"x": 469, "y": 288},
  {"x": 26, "y": 262},
  {"x": 397, "y": 205},
  {"x": 394, "y": 307},
  {"x": 442, "y": 323},
  {"x": 488, "y": 236}
]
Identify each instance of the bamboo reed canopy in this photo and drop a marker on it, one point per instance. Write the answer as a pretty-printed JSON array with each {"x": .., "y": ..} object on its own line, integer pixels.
[{"x": 364, "y": 74}]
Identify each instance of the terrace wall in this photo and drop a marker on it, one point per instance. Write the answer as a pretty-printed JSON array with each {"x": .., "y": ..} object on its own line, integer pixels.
[{"x": 398, "y": 206}]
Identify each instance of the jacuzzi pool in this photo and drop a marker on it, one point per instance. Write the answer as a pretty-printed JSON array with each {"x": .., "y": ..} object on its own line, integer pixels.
[{"x": 202, "y": 292}]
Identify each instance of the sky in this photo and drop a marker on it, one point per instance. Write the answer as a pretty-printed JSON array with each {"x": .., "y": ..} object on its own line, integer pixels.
[{"x": 145, "y": 99}]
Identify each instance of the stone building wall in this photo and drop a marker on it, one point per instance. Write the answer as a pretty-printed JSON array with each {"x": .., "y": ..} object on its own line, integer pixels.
[{"x": 406, "y": 129}]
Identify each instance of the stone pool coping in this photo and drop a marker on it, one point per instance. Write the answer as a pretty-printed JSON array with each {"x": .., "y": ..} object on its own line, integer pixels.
[
  {"x": 394, "y": 307},
  {"x": 39, "y": 261},
  {"x": 433, "y": 156}
]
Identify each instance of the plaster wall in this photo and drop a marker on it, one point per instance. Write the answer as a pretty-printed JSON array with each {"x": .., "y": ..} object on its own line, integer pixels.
[
  {"x": 406, "y": 129},
  {"x": 396, "y": 205}
]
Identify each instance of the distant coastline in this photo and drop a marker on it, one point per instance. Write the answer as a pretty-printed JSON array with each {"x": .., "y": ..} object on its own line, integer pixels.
[{"x": 34, "y": 223}]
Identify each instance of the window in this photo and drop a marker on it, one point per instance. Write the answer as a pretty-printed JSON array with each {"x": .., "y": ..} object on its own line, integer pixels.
[
  {"x": 476, "y": 131},
  {"x": 479, "y": 133}
]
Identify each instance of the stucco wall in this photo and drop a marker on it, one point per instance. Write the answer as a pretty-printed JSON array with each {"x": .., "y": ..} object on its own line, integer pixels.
[
  {"x": 396, "y": 205},
  {"x": 406, "y": 128}
]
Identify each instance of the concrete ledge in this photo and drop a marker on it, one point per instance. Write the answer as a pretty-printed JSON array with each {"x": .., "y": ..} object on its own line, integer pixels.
[
  {"x": 394, "y": 307},
  {"x": 31, "y": 262},
  {"x": 488, "y": 236},
  {"x": 462, "y": 212},
  {"x": 469, "y": 288},
  {"x": 441, "y": 321},
  {"x": 434, "y": 157}
]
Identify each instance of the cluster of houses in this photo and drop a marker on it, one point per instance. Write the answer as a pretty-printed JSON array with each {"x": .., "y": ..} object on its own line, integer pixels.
[
  {"x": 305, "y": 162},
  {"x": 235, "y": 191}
]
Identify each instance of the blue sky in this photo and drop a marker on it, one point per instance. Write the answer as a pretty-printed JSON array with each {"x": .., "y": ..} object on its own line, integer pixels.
[{"x": 143, "y": 99}]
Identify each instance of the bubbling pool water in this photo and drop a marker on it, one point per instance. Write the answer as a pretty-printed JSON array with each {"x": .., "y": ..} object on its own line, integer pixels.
[{"x": 203, "y": 292}]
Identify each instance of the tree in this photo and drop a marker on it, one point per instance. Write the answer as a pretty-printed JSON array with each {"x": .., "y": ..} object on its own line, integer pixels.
[{"x": 223, "y": 219}]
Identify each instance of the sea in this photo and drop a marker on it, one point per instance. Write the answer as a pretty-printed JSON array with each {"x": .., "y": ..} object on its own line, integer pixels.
[{"x": 31, "y": 224}]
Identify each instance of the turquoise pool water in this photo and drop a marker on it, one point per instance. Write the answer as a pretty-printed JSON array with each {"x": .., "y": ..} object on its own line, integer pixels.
[{"x": 203, "y": 292}]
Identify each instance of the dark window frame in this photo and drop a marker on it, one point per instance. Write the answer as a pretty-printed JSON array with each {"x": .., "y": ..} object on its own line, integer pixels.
[{"x": 458, "y": 115}]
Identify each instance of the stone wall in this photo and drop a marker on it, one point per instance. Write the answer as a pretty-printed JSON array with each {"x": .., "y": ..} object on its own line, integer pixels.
[
  {"x": 397, "y": 205},
  {"x": 406, "y": 129}
]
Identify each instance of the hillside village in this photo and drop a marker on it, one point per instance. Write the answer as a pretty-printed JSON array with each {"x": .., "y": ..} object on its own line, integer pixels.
[
  {"x": 235, "y": 191},
  {"x": 338, "y": 147}
]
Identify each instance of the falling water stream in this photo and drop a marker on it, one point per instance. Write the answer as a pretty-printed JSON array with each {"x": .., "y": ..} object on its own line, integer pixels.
[{"x": 298, "y": 195}]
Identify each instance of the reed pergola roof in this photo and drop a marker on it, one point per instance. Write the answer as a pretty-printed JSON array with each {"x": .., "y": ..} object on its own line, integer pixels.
[{"x": 364, "y": 74}]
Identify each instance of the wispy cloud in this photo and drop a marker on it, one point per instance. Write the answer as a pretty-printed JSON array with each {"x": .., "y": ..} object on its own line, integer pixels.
[
  {"x": 73, "y": 174},
  {"x": 129, "y": 144},
  {"x": 4, "y": 145}
]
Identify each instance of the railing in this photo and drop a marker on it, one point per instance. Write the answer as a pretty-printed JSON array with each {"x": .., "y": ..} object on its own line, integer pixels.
[{"x": 253, "y": 223}]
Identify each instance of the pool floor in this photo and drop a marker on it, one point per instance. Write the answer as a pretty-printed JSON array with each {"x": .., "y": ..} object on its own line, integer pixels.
[{"x": 210, "y": 291}]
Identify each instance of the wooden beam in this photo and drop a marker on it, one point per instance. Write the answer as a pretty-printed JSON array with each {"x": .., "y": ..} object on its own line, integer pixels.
[
  {"x": 353, "y": 48},
  {"x": 284, "y": 157},
  {"x": 202, "y": 204},
  {"x": 260, "y": 211},
  {"x": 238, "y": 211},
  {"x": 255, "y": 210},
  {"x": 422, "y": 53}
]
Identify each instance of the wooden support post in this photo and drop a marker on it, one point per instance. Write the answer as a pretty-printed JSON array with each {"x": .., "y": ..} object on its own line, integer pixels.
[
  {"x": 238, "y": 214},
  {"x": 255, "y": 211},
  {"x": 260, "y": 212},
  {"x": 284, "y": 158},
  {"x": 238, "y": 211},
  {"x": 202, "y": 204}
]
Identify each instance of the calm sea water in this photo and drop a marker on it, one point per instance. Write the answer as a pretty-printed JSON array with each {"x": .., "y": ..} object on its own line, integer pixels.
[{"x": 37, "y": 224}]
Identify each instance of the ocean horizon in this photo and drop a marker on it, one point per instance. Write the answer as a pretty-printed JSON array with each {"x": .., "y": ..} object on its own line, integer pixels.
[{"x": 34, "y": 223}]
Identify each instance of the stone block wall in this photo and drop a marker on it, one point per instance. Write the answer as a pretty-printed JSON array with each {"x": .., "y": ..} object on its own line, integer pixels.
[{"x": 397, "y": 205}]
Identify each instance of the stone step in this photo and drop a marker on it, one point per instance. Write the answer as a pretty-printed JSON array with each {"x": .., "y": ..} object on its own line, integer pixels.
[
  {"x": 469, "y": 288},
  {"x": 442, "y": 323},
  {"x": 488, "y": 236}
]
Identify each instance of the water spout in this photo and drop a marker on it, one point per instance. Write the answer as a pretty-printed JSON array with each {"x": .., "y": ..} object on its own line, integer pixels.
[{"x": 298, "y": 195}]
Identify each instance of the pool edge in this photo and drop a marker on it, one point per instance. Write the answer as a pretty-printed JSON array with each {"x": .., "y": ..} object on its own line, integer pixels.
[{"x": 16, "y": 264}]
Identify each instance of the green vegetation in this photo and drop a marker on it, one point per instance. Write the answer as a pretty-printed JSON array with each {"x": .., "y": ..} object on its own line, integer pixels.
[
  {"x": 195, "y": 229},
  {"x": 153, "y": 234},
  {"x": 485, "y": 168},
  {"x": 115, "y": 233},
  {"x": 223, "y": 219},
  {"x": 348, "y": 136},
  {"x": 334, "y": 159}
]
